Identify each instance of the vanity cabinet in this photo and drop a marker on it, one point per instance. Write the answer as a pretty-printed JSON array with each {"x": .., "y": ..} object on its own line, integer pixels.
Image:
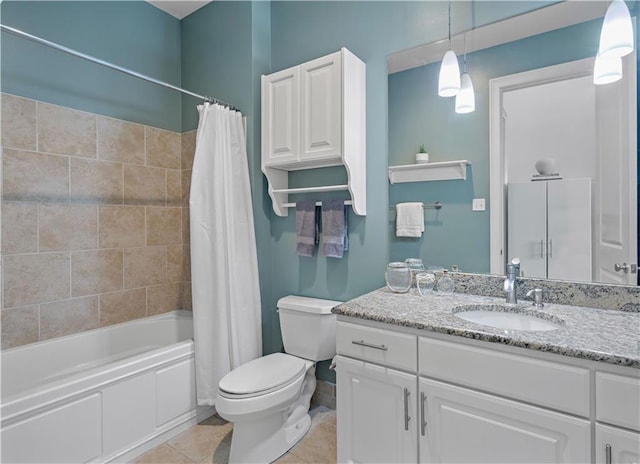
[{"x": 403, "y": 396}]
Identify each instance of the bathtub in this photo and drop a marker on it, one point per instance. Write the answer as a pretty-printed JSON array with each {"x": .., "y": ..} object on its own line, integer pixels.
[{"x": 103, "y": 395}]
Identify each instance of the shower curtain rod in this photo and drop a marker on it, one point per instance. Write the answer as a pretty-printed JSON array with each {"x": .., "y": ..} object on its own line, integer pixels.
[{"x": 84, "y": 56}]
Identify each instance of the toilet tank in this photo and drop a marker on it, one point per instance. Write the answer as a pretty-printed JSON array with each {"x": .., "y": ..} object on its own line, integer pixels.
[{"x": 308, "y": 327}]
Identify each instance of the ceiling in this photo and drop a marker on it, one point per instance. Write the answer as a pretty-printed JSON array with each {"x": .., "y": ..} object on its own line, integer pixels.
[{"x": 179, "y": 8}]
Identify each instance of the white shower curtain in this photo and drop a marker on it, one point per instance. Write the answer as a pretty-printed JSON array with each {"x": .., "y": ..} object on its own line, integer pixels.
[{"x": 224, "y": 265}]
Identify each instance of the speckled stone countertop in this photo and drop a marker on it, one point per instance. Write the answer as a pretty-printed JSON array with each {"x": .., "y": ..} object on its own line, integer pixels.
[{"x": 605, "y": 335}]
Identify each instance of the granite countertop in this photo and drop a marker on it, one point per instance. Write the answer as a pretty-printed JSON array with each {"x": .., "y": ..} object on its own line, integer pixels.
[{"x": 605, "y": 335}]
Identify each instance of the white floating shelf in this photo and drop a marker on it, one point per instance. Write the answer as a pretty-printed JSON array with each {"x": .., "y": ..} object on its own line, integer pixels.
[{"x": 444, "y": 170}]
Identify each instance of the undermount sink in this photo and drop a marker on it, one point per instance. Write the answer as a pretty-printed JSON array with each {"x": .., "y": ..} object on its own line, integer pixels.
[{"x": 509, "y": 318}]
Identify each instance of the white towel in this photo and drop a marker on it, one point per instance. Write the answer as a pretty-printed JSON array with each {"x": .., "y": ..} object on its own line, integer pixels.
[{"x": 409, "y": 219}]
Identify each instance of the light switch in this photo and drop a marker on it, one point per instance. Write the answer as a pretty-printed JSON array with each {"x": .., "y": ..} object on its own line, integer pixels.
[{"x": 478, "y": 204}]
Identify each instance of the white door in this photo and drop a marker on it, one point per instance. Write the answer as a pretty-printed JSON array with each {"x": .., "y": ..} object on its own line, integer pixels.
[
  {"x": 376, "y": 413},
  {"x": 467, "y": 426},
  {"x": 616, "y": 240},
  {"x": 280, "y": 117},
  {"x": 321, "y": 118},
  {"x": 527, "y": 227},
  {"x": 616, "y": 446},
  {"x": 569, "y": 230}
]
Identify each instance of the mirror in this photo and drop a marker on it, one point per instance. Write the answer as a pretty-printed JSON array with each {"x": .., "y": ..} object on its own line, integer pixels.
[{"x": 509, "y": 62}]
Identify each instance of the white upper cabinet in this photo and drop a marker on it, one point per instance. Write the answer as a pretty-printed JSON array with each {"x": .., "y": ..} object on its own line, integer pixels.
[{"x": 313, "y": 116}]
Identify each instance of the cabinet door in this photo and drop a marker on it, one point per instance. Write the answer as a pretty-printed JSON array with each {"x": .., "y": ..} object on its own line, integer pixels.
[
  {"x": 321, "y": 118},
  {"x": 376, "y": 413},
  {"x": 616, "y": 446},
  {"x": 467, "y": 426},
  {"x": 280, "y": 117},
  {"x": 527, "y": 227},
  {"x": 569, "y": 229}
]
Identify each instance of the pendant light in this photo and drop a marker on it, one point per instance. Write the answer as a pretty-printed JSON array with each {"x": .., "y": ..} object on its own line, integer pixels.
[
  {"x": 607, "y": 69},
  {"x": 616, "y": 36},
  {"x": 449, "y": 79},
  {"x": 466, "y": 99}
]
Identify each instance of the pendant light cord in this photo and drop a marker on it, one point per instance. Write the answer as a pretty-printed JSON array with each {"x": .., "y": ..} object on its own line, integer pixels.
[
  {"x": 464, "y": 62},
  {"x": 449, "y": 23}
]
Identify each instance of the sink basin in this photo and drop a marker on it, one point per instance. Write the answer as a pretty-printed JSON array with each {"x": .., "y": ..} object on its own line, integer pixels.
[{"x": 509, "y": 318}]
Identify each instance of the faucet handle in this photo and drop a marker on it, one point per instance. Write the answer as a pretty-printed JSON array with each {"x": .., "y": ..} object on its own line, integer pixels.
[{"x": 537, "y": 297}]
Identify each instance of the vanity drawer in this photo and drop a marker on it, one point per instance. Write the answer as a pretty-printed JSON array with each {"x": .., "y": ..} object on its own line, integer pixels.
[
  {"x": 618, "y": 400},
  {"x": 377, "y": 345},
  {"x": 548, "y": 384}
]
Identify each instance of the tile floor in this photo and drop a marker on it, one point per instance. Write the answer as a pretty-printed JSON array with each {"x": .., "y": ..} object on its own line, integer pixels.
[{"x": 209, "y": 442}]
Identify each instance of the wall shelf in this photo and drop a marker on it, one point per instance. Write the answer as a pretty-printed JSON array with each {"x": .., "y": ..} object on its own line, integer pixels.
[{"x": 444, "y": 170}]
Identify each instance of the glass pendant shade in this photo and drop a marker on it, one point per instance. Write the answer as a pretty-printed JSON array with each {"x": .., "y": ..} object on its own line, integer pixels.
[
  {"x": 616, "y": 36},
  {"x": 466, "y": 99},
  {"x": 607, "y": 70},
  {"x": 449, "y": 80}
]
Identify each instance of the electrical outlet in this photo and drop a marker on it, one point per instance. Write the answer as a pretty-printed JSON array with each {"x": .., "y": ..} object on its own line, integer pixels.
[{"x": 478, "y": 204}]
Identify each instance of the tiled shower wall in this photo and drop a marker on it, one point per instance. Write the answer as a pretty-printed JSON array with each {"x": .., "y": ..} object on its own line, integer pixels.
[{"x": 94, "y": 220}]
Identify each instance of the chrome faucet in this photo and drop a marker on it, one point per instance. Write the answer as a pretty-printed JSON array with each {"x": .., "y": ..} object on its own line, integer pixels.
[{"x": 513, "y": 269}]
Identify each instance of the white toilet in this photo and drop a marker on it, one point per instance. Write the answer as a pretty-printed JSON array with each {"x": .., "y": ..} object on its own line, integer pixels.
[{"x": 267, "y": 399}]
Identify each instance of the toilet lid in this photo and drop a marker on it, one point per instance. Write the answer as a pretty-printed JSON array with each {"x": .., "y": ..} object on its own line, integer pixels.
[{"x": 263, "y": 374}]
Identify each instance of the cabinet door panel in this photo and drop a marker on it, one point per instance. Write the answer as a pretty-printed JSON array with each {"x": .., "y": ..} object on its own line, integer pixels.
[
  {"x": 321, "y": 118},
  {"x": 468, "y": 426},
  {"x": 527, "y": 226},
  {"x": 624, "y": 445},
  {"x": 280, "y": 117},
  {"x": 371, "y": 413}
]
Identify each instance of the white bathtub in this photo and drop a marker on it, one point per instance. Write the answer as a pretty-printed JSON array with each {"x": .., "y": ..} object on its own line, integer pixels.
[{"x": 103, "y": 395}]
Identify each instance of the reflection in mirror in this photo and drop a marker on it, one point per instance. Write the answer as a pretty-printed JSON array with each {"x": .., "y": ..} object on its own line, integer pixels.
[{"x": 535, "y": 101}]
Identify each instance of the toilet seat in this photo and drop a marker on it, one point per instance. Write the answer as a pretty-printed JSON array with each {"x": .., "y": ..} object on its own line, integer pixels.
[{"x": 261, "y": 376}]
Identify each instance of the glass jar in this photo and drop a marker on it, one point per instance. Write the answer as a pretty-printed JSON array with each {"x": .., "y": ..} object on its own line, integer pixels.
[
  {"x": 415, "y": 266},
  {"x": 425, "y": 282},
  {"x": 398, "y": 277},
  {"x": 445, "y": 283}
]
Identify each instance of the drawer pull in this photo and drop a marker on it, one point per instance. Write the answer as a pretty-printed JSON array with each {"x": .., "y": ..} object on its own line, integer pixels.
[
  {"x": 369, "y": 345},
  {"x": 607, "y": 454},
  {"x": 423, "y": 417},
  {"x": 406, "y": 408}
]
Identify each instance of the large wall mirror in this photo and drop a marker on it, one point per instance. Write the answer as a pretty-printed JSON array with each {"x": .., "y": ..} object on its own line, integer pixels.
[{"x": 535, "y": 100}]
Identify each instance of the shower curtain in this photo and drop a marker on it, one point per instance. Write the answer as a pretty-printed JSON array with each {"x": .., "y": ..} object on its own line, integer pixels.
[{"x": 224, "y": 265}]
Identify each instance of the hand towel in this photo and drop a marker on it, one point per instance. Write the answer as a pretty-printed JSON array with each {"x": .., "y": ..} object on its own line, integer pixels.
[
  {"x": 335, "y": 240},
  {"x": 409, "y": 219},
  {"x": 306, "y": 227}
]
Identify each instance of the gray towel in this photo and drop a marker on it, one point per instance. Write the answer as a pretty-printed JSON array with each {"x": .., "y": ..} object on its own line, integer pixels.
[
  {"x": 306, "y": 227},
  {"x": 335, "y": 240}
]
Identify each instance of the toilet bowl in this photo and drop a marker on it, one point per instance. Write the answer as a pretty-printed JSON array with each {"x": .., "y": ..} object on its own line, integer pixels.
[{"x": 268, "y": 399}]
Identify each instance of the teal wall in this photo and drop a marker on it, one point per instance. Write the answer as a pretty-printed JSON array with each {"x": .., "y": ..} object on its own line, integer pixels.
[
  {"x": 417, "y": 115},
  {"x": 135, "y": 35}
]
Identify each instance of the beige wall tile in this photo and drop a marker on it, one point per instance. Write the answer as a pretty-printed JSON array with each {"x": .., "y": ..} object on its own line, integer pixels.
[
  {"x": 186, "y": 239},
  {"x": 188, "y": 149},
  {"x": 64, "y": 227},
  {"x": 164, "y": 298},
  {"x": 163, "y": 148},
  {"x": 186, "y": 186},
  {"x": 68, "y": 317},
  {"x": 175, "y": 263},
  {"x": 144, "y": 185},
  {"x": 19, "y": 227},
  {"x": 122, "y": 306},
  {"x": 96, "y": 181},
  {"x": 174, "y": 187},
  {"x": 39, "y": 278},
  {"x": 120, "y": 141},
  {"x": 164, "y": 225},
  {"x": 186, "y": 296},
  {"x": 186, "y": 262},
  {"x": 34, "y": 176},
  {"x": 18, "y": 122},
  {"x": 66, "y": 131},
  {"x": 121, "y": 226},
  {"x": 145, "y": 266},
  {"x": 19, "y": 326},
  {"x": 94, "y": 272}
]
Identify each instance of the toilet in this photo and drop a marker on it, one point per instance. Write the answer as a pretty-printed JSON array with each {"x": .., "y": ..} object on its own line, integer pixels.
[{"x": 267, "y": 399}]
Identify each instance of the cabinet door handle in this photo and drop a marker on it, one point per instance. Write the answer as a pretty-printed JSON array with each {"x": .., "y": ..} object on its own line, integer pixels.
[
  {"x": 423, "y": 417},
  {"x": 541, "y": 249},
  {"x": 406, "y": 408},
  {"x": 607, "y": 454},
  {"x": 369, "y": 345},
  {"x": 551, "y": 249}
]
